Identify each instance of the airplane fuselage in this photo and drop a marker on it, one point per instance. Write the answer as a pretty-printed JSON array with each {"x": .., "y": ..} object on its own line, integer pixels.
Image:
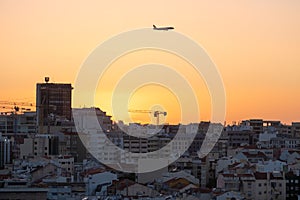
[{"x": 163, "y": 28}]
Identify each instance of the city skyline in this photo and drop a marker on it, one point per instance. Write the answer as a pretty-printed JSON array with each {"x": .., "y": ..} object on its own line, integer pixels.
[
  {"x": 256, "y": 54},
  {"x": 150, "y": 99}
]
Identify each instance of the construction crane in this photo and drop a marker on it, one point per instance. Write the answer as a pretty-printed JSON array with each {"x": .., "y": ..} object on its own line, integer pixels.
[
  {"x": 15, "y": 107},
  {"x": 155, "y": 113},
  {"x": 25, "y": 104}
]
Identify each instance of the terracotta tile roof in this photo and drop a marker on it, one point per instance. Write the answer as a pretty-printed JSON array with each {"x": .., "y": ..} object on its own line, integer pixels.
[
  {"x": 177, "y": 183},
  {"x": 245, "y": 175},
  {"x": 233, "y": 165},
  {"x": 122, "y": 184},
  {"x": 255, "y": 155},
  {"x": 260, "y": 176},
  {"x": 93, "y": 171},
  {"x": 293, "y": 151},
  {"x": 228, "y": 175},
  {"x": 201, "y": 190}
]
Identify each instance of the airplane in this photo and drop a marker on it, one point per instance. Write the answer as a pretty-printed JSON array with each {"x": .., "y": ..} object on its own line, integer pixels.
[{"x": 162, "y": 28}]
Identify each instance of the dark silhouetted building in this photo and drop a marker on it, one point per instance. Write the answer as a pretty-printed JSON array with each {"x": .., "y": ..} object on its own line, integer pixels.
[{"x": 53, "y": 100}]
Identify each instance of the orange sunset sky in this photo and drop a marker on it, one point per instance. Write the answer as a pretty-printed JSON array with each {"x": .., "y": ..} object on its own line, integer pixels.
[{"x": 254, "y": 43}]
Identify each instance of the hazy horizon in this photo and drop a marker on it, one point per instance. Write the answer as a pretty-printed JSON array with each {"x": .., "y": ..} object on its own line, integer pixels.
[{"x": 255, "y": 45}]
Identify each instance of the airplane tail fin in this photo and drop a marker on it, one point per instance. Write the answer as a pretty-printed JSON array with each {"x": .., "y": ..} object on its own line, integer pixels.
[{"x": 154, "y": 26}]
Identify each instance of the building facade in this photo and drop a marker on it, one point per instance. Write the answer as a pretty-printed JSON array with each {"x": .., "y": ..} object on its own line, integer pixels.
[
  {"x": 52, "y": 100},
  {"x": 5, "y": 151}
]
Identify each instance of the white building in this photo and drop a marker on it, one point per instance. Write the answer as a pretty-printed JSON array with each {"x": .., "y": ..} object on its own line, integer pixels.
[
  {"x": 224, "y": 162},
  {"x": 270, "y": 166},
  {"x": 269, "y": 186},
  {"x": 39, "y": 146},
  {"x": 229, "y": 195},
  {"x": 265, "y": 139},
  {"x": 26, "y": 149},
  {"x": 96, "y": 184},
  {"x": 84, "y": 119},
  {"x": 66, "y": 163},
  {"x": 289, "y": 155}
]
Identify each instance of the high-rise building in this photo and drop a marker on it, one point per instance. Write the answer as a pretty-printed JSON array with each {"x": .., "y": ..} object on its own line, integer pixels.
[
  {"x": 41, "y": 145},
  {"x": 293, "y": 184},
  {"x": 53, "y": 100},
  {"x": 5, "y": 151},
  {"x": 6, "y": 123},
  {"x": 296, "y": 129},
  {"x": 18, "y": 123}
]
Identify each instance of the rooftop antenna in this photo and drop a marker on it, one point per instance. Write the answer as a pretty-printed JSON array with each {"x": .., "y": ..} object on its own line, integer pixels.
[{"x": 47, "y": 79}]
